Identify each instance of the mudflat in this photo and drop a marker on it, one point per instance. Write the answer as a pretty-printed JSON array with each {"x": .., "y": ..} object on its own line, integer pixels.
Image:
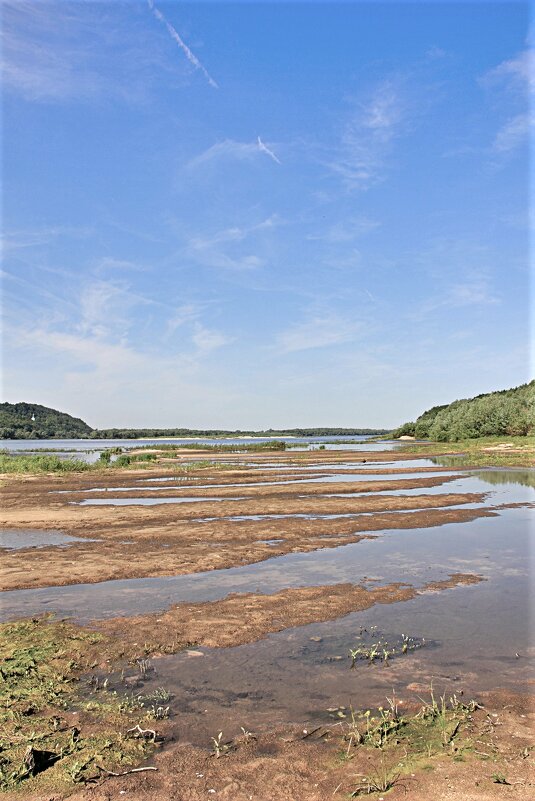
[
  {"x": 198, "y": 533},
  {"x": 272, "y": 626}
]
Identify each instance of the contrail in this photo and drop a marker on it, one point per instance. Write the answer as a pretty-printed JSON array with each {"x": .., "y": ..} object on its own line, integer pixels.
[
  {"x": 266, "y": 150},
  {"x": 192, "y": 58}
]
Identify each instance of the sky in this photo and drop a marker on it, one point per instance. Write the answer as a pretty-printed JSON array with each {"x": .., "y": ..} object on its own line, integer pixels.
[{"x": 254, "y": 215}]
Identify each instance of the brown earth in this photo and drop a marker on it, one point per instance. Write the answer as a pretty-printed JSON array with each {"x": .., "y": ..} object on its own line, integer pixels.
[{"x": 292, "y": 764}]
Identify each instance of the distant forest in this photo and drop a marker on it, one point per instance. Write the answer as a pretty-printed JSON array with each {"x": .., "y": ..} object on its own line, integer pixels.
[
  {"x": 510, "y": 412},
  {"x": 31, "y": 421},
  {"x": 151, "y": 433}
]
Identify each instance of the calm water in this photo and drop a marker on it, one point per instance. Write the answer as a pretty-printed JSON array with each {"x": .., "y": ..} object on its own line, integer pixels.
[{"x": 90, "y": 449}]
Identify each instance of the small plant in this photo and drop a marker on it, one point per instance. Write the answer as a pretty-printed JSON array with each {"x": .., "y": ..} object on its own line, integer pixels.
[
  {"x": 160, "y": 694},
  {"x": 158, "y": 712},
  {"x": 248, "y": 735},
  {"x": 220, "y": 748},
  {"x": 377, "y": 729},
  {"x": 381, "y": 650},
  {"x": 144, "y": 666},
  {"x": 75, "y": 770},
  {"x": 499, "y": 778},
  {"x": 379, "y": 780}
]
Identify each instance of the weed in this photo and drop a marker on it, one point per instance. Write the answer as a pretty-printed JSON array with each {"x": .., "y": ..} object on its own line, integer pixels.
[
  {"x": 45, "y": 463},
  {"x": 374, "y": 730},
  {"x": 381, "y": 650},
  {"x": 39, "y": 679},
  {"x": 379, "y": 780},
  {"x": 144, "y": 666},
  {"x": 499, "y": 778},
  {"x": 220, "y": 748},
  {"x": 160, "y": 694},
  {"x": 157, "y": 712}
]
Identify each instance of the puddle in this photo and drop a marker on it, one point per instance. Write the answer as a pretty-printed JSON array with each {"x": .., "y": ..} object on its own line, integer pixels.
[
  {"x": 346, "y": 477},
  {"x": 340, "y": 515},
  {"x": 402, "y": 464},
  {"x": 147, "y": 501},
  {"x": 498, "y": 491},
  {"x": 270, "y": 542},
  {"x": 16, "y": 538}
]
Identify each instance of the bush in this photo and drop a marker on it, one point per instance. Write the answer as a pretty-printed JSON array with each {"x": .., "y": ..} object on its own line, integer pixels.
[{"x": 510, "y": 412}]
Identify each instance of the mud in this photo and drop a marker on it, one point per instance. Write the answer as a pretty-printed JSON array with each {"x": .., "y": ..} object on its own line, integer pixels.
[
  {"x": 247, "y": 617},
  {"x": 295, "y": 763}
]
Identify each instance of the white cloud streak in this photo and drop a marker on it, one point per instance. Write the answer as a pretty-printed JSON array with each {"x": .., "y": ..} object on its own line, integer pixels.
[
  {"x": 173, "y": 33},
  {"x": 265, "y": 149},
  {"x": 224, "y": 249},
  {"x": 231, "y": 149}
]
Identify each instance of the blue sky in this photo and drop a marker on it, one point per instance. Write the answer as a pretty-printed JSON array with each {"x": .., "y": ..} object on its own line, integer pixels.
[{"x": 264, "y": 214}]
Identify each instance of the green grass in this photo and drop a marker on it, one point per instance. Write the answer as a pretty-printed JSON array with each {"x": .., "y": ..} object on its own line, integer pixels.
[
  {"x": 472, "y": 453},
  {"x": 253, "y": 447},
  {"x": 41, "y": 464},
  {"x": 43, "y": 745}
]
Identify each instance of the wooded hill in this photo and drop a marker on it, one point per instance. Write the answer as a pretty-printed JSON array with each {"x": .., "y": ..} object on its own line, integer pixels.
[
  {"x": 509, "y": 412},
  {"x": 32, "y": 421}
]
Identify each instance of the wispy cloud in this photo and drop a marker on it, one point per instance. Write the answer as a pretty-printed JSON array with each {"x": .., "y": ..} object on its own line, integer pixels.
[
  {"x": 368, "y": 136},
  {"x": 473, "y": 292},
  {"x": 231, "y": 149},
  {"x": 318, "y": 331},
  {"x": 515, "y": 78},
  {"x": 109, "y": 264},
  {"x": 227, "y": 248},
  {"x": 207, "y": 340},
  {"x": 80, "y": 52},
  {"x": 342, "y": 232},
  {"x": 22, "y": 239},
  {"x": 513, "y": 133},
  {"x": 517, "y": 73},
  {"x": 192, "y": 58}
]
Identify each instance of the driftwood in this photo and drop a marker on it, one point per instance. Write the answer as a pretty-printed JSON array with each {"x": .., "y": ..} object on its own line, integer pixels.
[{"x": 124, "y": 772}]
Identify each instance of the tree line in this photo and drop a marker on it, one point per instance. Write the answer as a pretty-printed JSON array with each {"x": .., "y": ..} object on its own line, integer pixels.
[{"x": 509, "y": 412}]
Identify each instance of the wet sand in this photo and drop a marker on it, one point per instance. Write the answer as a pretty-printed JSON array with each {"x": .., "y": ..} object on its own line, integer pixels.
[
  {"x": 174, "y": 538},
  {"x": 197, "y": 647}
]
